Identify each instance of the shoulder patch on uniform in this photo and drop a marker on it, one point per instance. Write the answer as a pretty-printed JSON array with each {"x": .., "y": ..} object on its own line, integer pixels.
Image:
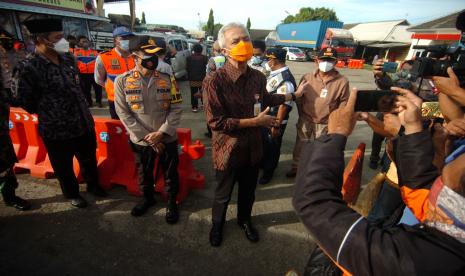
[{"x": 282, "y": 89}]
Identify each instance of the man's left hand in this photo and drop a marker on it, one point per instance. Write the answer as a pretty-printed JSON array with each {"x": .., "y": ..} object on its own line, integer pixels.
[
  {"x": 154, "y": 137},
  {"x": 342, "y": 120}
]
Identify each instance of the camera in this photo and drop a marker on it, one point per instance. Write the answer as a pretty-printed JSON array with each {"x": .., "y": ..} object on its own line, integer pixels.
[{"x": 431, "y": 64}]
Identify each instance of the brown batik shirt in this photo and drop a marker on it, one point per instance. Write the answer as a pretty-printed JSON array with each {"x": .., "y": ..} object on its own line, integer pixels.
[{"x": 231, "y": 97}]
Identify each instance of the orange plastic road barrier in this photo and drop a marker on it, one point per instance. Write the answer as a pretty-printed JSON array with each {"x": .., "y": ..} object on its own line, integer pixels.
[
  {"x": 35, "y": 158},
  {"x": 356, "y": 63},
  {"x": 340, "y": 64},
  {"x": 353, "y": 175}
]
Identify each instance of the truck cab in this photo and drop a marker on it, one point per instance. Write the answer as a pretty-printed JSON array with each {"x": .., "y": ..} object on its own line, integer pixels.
[{"x": 341, "y": 40}]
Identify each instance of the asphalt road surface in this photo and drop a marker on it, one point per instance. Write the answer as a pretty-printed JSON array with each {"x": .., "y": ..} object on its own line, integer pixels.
[{"x": 56, "y": 239}]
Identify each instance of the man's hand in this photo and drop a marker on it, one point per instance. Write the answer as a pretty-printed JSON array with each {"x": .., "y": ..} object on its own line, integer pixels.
[
  {"x": 391, "y": 124},
  {"x": 275, "y": 132},
  {"x": 342, "y": 120},
  {"x": 378, "y": 68},
  {"x": 159, "y": 148},
  {"x": 448, "y": 86},
  {"x": 265, "y": 120},
  {"x": 409, "y": 115},
  {"x": 302, "y": 88},
  {"x": 154, "y": 137},
  {"x": 409, "y": 95},
  {"x": 456, "y": 128}
]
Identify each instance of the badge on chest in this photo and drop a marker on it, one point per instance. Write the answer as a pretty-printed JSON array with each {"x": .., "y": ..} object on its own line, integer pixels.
[
  {"x": 115, "y": 64},
  {"x": 324, "y": 93}
]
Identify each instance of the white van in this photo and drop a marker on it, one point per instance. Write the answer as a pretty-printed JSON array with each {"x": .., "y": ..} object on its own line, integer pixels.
[{"x": 179, "y": 43}]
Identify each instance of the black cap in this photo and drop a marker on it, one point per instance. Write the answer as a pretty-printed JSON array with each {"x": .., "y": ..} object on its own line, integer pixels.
[
  {"x": 327, "y": 53},
  {"x": 5, "y": 35},
  {"x": 44, "y": 25},
  {"x": 145, "y": 44},
  {"x": 277, "y": 53}
]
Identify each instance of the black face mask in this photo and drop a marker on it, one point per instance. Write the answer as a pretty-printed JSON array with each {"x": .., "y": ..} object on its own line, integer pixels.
[
  {"x": 150, "y": 63},
  {"x": 7, "y": 44}
]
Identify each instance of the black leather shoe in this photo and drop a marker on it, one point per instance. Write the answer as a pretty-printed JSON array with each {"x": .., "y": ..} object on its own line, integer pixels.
[
  {"x": 216, "y": 235},
  {"x": 18, "y": 203},
  {"x": 172, "y": 213},
  {"x": 265, "y": 179},
  {"x": 291, "y": 173},
  {"x": 97, "y": 191},
  {"x": 373, "y": 165},
  {"x": 142, "y": 207},
  {"x": 250, "y": 232},
  {"x": 79, "y": 202}
]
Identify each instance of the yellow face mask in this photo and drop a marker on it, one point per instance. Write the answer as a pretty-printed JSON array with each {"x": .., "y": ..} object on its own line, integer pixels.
[{"x": 242, "y": 52}]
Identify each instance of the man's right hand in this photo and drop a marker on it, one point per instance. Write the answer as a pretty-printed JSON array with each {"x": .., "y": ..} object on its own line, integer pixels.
[
  {"x": 265, "y": 120},
  {"x": 378, "y": 68}
]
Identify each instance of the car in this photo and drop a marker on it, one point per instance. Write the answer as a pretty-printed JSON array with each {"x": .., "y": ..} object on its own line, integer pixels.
[
  {"x": 179, "y": 46},
  {"x": 192, "y": 42},
  {"x": 295, "y": 54}
]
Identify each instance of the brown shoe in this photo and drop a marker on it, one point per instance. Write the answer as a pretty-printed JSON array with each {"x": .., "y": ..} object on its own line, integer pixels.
[{"x": 291, "y": 173}]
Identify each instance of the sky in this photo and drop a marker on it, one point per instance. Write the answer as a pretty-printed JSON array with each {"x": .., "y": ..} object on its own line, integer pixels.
[{"x": 268, "y": 14}]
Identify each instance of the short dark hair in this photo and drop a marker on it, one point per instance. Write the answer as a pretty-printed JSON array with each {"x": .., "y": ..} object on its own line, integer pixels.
[
  {"x": 82, "y": 37},
  {"x": 69, "y": 37},
  {"x": 259, "y": 44},
  {"x": 197, "y": 48},
  {"x": 35, "y": 37}
]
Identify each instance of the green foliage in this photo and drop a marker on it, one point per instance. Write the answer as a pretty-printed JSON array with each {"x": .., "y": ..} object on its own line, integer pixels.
[
  {"x": 210, "y": 27},
  {"x": 249, "y": 24},
  {"x": 143, "y": 18},
  {"x": 310, "y": 14}
]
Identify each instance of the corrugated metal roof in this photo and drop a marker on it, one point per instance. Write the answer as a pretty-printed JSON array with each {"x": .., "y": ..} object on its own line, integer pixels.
[
  {"x": 444, "y": 22},
  {"x": 375, "y": 31},
  {"x": 399, "y": 34}
]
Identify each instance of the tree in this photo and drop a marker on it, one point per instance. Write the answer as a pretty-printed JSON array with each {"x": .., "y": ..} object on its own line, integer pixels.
[
  {"x": 210, "y": 27},
  {"x": 309, "y": 14},
  {"x": 248, "y": 24},
  {"x": 143, "y": 18}
]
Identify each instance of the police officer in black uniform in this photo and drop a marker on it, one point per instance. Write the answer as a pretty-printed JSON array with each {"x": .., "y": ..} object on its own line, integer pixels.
[
  {"x": 279, "y": 81},
  {"x": 8, "y": 182},
  {"x": 47, "y": 83}
]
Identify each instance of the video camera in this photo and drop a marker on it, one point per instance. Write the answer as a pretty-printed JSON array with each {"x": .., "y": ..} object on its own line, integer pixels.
[{"x": 430, "y": 64}]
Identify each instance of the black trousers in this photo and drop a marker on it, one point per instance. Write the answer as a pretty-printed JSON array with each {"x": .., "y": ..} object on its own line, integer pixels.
[
  {"x": 271, "y": 150},
  {"x": 194, "y": 100},
  {"x": 8, "y": 185},
  {"x": 247, "y": 178},
  {"x": 376, "y": 142},
  {"x": 87, "y": 82},
  {"x": 145, "y": 162},
  {"x": 8, "y": 182},
  {"x": 61, "y": 155},
  {"x": 111, "y": 106}
]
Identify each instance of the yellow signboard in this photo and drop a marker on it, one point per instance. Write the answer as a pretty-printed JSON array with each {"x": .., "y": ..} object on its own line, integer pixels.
[{"x": 77, "y": 5}]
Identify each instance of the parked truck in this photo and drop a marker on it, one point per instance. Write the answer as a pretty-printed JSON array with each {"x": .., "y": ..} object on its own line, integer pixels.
[{"x": 312, "y": 36}]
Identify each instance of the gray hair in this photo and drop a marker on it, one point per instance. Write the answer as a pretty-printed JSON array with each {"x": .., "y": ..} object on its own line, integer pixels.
[{"x": 227, "y": 27}]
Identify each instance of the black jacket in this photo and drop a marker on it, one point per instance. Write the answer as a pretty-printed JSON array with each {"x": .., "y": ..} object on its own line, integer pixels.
[
  {"x": 347, "y": 237},
  {"x": 196, "y": 67}
]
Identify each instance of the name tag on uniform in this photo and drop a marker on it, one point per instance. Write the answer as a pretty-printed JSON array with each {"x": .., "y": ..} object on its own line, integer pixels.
[{"x": 324, "y": 93}]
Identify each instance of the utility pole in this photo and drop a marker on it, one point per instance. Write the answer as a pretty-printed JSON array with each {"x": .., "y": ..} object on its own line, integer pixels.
[{"x": 132, "y": 9}]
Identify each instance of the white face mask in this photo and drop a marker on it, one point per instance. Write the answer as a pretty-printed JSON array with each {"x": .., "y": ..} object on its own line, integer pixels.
[
  {"x": 62, "y": 46},
  {"x": 325, "y": 66},
  {"x": 267, "y": 67}
]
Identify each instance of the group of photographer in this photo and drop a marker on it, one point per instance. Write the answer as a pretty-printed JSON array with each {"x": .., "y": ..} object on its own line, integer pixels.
[{"x": 416, "y": 225}]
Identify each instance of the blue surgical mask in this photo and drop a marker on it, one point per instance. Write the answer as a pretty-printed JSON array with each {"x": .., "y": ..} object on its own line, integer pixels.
[
  {"x": 257, "y": 60},
  {"x": 124, "y": 45}
]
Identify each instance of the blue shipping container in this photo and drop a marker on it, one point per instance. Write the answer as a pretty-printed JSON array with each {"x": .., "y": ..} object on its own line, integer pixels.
[{"x": 305, "y": 34}]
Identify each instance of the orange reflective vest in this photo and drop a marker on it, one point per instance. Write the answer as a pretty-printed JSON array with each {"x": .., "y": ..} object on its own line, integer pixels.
[
  {"x": 114, "y": 65},
  {"x": 85, "y": 60}
]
